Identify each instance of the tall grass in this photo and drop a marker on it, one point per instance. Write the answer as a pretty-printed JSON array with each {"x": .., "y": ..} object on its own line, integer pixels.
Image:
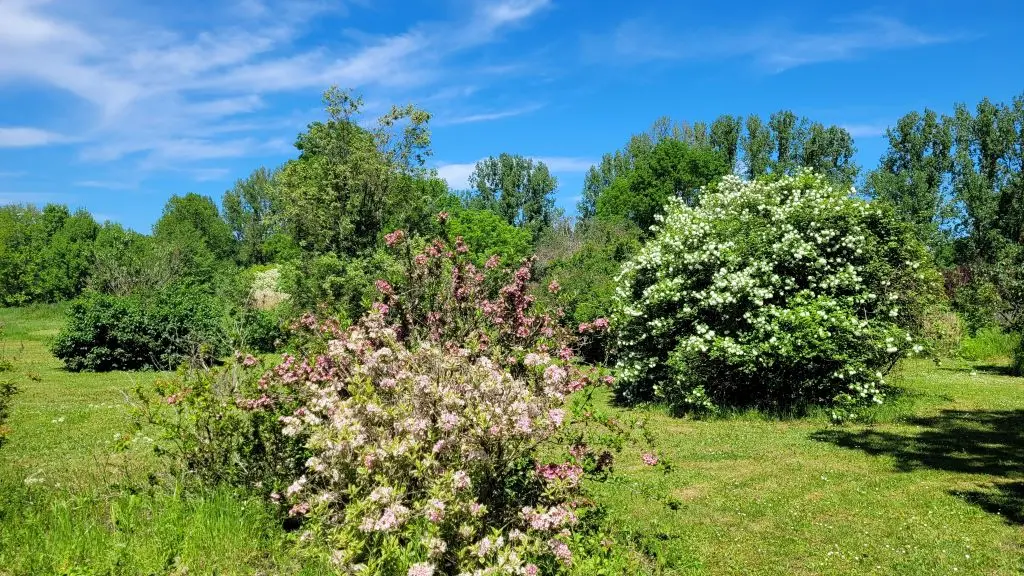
[{"x": 989, "y": 344}]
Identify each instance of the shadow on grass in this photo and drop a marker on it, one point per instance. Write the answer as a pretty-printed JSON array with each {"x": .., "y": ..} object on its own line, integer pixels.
[{"x": 984, "y": 442}]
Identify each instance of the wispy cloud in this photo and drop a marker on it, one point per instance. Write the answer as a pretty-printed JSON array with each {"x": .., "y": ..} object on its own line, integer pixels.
[
  {"x": 875, "y": 130},
  {"x": 457, "y": 174},
  {"x": 774, "y": 48},
  {"x": 25, "y": 137},
  {"x": 166, "y": 96},
  {"x": 488, "y": 116},
  {"x": 33, "y": 198}
]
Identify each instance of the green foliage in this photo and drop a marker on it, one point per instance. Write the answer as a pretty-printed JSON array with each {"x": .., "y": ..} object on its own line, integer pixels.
[
  {"x": 517, "y": 189},
  {"x": 330, "y": 283},
  {"x": 913, "y": 177},
  {"x": 770, "y": 293},
  {"x": 191, "y": 239},
  {"x": 488, "y": 234},
  {"x": 45, "y": 256},
  {"x": 250, "y": 209},
  {"x": 584, "y": 263},
  {"x": 989, "y": 344},
  {"x": 350, "y": 184},
  {"x": 159, "y": 331},
  {"x": 673, "y": 169}
]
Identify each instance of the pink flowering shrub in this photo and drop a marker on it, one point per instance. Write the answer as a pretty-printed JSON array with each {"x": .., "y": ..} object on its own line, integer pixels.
[{"x": 448, "y": 431}]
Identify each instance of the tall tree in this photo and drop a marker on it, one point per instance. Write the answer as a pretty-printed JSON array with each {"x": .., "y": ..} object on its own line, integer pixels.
[
  {"x": 757, "y": 147},
  {"x": 337, "y": 196},
  {"x": 913, "y": 176},
  {"x": 673, "y": 169},
  {"x": 830, "y": 151},
  {"x": 516, "y": 188},
  {"x": 250, "y": 210},
  {"x": 725, "y": 137}
]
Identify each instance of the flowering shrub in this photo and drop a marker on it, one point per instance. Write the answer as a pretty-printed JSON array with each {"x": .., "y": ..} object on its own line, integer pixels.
[
  {"x": 448, "y": 431},
  {"x": 770, "y": 293}
]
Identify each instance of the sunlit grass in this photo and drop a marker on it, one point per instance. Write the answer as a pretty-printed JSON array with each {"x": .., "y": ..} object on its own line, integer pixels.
[{"x": 932, "y": 484}]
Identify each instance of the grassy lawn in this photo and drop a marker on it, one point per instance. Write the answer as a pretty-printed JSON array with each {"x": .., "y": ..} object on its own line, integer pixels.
[{"x": 934, "y": 485}]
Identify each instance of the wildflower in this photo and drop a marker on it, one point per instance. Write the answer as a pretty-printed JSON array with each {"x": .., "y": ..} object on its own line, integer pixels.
[
  {"x": 561, "y": 551},
  {"x": 249, "y": 361},
  {"x": 554, "y": 287},
  {"x": 554, "y": 374},
  {"x": 442, "y": 217},
  {"x": 394, "y": 238},
  {"x": 422, "y": 568},
  {"x": 461, "y": 480},
  {"x": 531, "y": 570},
  {"x": 650, "y": 459},
  {"x": 492, "y": 262},
  {"x": 556, "y": 416},
  {"x": 384, "y": 287}
]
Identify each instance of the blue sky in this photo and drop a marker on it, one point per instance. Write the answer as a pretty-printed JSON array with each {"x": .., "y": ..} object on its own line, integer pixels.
[{"x": 115, "y": 105}]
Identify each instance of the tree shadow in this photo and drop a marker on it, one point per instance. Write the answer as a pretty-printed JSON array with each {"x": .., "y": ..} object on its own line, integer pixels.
[{"x": 983, "y": 442}]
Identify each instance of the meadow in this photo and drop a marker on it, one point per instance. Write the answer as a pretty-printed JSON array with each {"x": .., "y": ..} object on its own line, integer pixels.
[{"x": 931, "y": 483}]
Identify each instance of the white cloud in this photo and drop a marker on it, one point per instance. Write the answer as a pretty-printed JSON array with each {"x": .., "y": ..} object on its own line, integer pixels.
[
  {"x": 24, "y": 137},
  {"x": 169, "y": 96},
  {"x": 774, "y": 48},
  {"x": 457, "y": 174},
  {"x": 865, "y": 130},
  {"x": 488, "y": 116}
]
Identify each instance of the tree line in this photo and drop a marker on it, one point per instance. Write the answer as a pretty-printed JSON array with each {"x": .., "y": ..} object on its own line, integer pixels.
[{"x": 322, "y": 217}]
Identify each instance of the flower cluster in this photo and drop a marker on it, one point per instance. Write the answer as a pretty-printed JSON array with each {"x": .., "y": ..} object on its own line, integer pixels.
[
  {"x": 415, "y": 443},
  {"x": 769, "y": 293}
]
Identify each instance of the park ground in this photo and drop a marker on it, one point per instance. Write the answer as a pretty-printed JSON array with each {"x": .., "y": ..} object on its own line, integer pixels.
[{"x": 930, "y": 483}]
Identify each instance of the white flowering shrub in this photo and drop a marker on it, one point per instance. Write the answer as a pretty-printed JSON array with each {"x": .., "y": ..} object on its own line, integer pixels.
[{"x": 773, "y": 293}]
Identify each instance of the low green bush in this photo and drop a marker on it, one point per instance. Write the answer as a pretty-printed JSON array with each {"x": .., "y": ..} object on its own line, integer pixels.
[{"x": 158, "y": 331}]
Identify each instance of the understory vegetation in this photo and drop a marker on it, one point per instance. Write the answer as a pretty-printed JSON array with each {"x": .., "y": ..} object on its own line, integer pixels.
[{"x": 744, "y": 355}]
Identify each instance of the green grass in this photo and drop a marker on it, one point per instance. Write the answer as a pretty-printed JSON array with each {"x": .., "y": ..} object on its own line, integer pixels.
[
  {"x": 75, "y": 494},
  {"x": 933, "y": 485}
]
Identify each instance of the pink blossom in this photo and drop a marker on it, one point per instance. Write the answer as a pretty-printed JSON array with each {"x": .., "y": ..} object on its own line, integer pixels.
[
  {"x": 421, "y": 569},
  {"x": 449, "y": 421},
  {"x": 650, "y": 459},
  {"x": 477, "y": 509},
  {"x": 554, "y": 374},
  {"x": 300, "y": 509},
  {"x": 394, "y": 238},
  {"x": 420, "y": 259},
  {"x": 554, "y": 287},
  {"x": 383, "y": 286},
  {"x": 608, "y": 379},
  {"x": 531, "y": 570},
  {"x": 565, "y": 353},
  {"x": 492, "y": 262},
  {"x": 381, "y": 307},
  {"x": 250, "y": 361},
  {"x": 461, "y": 480},
  {"x": 442, "y": 217},
  {"x": 556, "y": 416},
  {"x": 435, "y": 510},
  {"x": 561, "y": 551}
]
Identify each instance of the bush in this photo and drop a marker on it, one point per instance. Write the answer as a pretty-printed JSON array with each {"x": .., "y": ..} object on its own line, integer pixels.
[
  {"x": 160, "y": 331},
  {"x": 770, "y": 293},
  {"x": 438, "y": 435}
]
